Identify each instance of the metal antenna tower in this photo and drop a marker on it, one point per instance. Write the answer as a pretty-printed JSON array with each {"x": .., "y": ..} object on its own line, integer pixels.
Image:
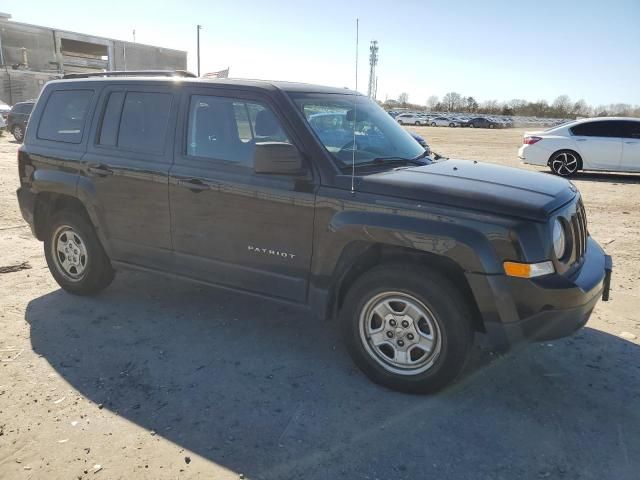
[{"x": 373, "y": 61}]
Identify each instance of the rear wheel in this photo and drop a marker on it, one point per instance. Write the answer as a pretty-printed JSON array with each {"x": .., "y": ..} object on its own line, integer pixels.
[
  {"x": 407, "y": 329},
  {"x": 417, "y": 124},
  {"x": 491, "y": 125},
  {"x": 75, "y": 256},
  {"x": 565, "y": 163},
  {"x": 471, "y": 125},
  {"x": 18, "y": 133},
  {"x": 433, "y": 124},
  {"x": 452, "y": 125}
]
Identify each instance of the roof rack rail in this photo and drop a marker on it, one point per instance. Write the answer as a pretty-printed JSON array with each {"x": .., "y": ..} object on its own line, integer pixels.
[{"x": 133, "y": 73}]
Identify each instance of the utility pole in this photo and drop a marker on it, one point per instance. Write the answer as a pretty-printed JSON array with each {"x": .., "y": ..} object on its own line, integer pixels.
[
  {"x": 134, "y": 35},
  {"x": 199, "y": 27},
  {"x": 373, "y": 61}
]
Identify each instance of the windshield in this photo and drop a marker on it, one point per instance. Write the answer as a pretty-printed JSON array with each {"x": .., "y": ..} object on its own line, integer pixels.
[{"x": 334, "y": 117}]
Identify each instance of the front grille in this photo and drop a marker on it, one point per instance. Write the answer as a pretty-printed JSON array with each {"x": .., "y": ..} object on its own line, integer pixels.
[{"x": 580, "y": 232}]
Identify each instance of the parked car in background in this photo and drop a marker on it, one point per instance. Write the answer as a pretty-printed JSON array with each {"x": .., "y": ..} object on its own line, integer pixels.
[
  {"x": 4, "y": 110},
  {"x": 411, "y": 119},
  {"x": 3, "y": 125},
  {"x": 462, "y": 121},
  {"x": 483, "y": 122},
  {"x": 422, "y": 142},
  {"x": 443, "y": 122},
  {"x": 18, "y": 119},
  {"x": 609, "y": 143}
]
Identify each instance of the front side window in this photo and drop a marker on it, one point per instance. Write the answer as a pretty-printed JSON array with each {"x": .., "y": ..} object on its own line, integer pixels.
[
  {"x": 349, "y": 126},
  {"x": 227, "y": 129},
  {"x": 63, "y": 119}
]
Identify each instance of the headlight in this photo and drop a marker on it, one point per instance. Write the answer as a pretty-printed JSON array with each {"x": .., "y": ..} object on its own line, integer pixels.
[{"x": 559, "y": 240}]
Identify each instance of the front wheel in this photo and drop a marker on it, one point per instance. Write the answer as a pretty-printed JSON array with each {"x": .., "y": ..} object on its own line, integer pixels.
[
  {"x": 452, "y": 125},
  {"x": 75, "y": 256},
  {"x": 433, "y": 124},
  {"x": 408, "y": 329}
]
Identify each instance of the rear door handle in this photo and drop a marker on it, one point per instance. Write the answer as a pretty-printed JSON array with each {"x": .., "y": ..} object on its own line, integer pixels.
[
  {"x": 630, "y": 142},
  {"x": 194, "y": 184},
  {"x": 100, "y": 170},
  {"x": 581, "y": 139}
]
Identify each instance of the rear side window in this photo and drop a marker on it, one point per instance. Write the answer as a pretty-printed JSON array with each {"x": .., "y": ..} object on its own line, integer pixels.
[
  {"x": 23, "y": 108},
  {"x": 606, "y": 128},
  {"x": 136, "y": 121},
  {"x": 63, "y": 119}
]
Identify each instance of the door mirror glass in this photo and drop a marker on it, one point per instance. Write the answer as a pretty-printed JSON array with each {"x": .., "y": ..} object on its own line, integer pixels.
[{"x": 278, "y": 158}]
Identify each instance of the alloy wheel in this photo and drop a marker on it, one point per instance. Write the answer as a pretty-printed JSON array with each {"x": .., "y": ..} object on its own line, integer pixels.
[{"x": 564, "y": 164}]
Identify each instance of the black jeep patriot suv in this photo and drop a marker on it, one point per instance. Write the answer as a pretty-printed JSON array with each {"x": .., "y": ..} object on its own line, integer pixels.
[{"x": 251, "y": 186}]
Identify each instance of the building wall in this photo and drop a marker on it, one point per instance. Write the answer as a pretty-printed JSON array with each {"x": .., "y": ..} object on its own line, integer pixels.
[{"x": 50, "y": 53}]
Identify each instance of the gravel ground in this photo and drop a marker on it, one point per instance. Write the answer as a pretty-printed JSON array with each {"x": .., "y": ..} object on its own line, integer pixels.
[{"x": 156, "y": 378}]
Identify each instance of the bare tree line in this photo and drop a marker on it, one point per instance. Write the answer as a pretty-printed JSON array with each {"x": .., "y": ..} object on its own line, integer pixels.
[{"x": 561, "y": 107}]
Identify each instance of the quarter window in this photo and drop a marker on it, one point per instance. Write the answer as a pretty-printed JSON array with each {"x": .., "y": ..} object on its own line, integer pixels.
[
  {"x": 227, "y": 129},
  {"x": 63, "y": 119}
]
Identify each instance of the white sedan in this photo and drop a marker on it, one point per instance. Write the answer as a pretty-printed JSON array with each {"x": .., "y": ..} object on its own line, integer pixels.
[
  {"x": 411, "y": 119},
  {"x": 608, "y": 143},
  {"x": 443, "y": 122}
]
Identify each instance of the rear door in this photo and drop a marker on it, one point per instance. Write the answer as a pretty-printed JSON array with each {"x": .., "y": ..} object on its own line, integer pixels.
[
  {"x": 231, "y": 226},
  {"x": 631, "y": 146},
  {"x": 128, "y": 164},
  {"x": 599, "y": 143}
]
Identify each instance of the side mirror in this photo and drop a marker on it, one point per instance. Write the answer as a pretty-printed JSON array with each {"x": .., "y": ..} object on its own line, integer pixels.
[{"x": 277, "y": 158}]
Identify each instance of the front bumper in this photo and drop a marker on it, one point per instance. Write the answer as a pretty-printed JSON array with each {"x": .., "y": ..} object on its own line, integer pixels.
[{"x": 517, "y": 310}]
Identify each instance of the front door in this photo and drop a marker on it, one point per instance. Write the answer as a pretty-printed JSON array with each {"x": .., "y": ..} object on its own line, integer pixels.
[
  {"x": 231, "y": 226},
  {"x": 128, "y": 164}
]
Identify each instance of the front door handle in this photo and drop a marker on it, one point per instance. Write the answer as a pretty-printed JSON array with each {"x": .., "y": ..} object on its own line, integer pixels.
[
  {"x": 100, "y": 170},
  {"x": 194, "y": 184},
  {"x": 631, "y": 142},
  {"x": 581, "y": 139}
]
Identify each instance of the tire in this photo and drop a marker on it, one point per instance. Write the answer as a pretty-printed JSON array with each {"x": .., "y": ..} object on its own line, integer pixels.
[
  {"x": 491, "y": 125},
  {"x": 18, "y": 133},
  {"x": 417, "y": 124},
  {"x": 87, "y": 269},
  {"x": 471, "y": 125},
  {"x": 452, "y": 125},
  {"x": 441, "y": 311},
  {"x": 400, "y": 122},
  {"x": 433, "y": 124},
  {"x": 565, "y": 163}
]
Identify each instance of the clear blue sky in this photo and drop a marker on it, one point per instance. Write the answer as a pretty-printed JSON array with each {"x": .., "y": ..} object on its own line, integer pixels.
[{"x": 498, "y": 49}]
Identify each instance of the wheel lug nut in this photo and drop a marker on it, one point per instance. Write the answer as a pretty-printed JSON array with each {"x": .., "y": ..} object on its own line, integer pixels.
[
  {"x": 405, "y": 324},
  {"x": 390, "y": 334},
  {"x": 400, "y": 343},
  {"x": 392, "y": 323},
  {"x": 410, "y": 336}
]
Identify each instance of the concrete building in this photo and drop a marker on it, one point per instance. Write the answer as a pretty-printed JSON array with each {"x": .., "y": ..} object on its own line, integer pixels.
[{"x": 31, "y": 55}]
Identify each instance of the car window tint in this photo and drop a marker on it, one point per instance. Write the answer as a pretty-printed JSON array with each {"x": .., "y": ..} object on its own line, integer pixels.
[
  {"x": 227, "y": 129},
  {"x": 144, "y": 120},
  {"x": 63, "y": 119},
  {"x": 631, "y": 129},
  {"x": 111, "y": 119},
  {"x": 606, "y": 128}
]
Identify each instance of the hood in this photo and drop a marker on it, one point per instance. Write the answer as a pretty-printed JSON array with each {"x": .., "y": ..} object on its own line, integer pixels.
[{"x": 478, "y": 186}]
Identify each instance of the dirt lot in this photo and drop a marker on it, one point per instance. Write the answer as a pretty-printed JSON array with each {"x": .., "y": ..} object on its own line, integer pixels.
[{"x": 156, "y": 378}]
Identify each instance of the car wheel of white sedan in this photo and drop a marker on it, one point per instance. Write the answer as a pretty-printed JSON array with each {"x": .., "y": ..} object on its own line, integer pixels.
[{"x": 564, "y": 163}]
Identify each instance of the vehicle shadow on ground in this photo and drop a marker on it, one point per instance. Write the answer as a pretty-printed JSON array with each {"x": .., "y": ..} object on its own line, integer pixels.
[
  {"x": 604, "y": 177},
  {"x": 262, "y": 390}
]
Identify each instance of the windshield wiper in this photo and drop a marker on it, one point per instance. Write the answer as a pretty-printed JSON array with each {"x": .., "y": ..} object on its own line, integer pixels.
[{"x": 390, "y": 162}]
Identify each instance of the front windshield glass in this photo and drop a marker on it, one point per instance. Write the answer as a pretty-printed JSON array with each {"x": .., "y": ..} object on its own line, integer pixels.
[{"x": 334, "y": 117}]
